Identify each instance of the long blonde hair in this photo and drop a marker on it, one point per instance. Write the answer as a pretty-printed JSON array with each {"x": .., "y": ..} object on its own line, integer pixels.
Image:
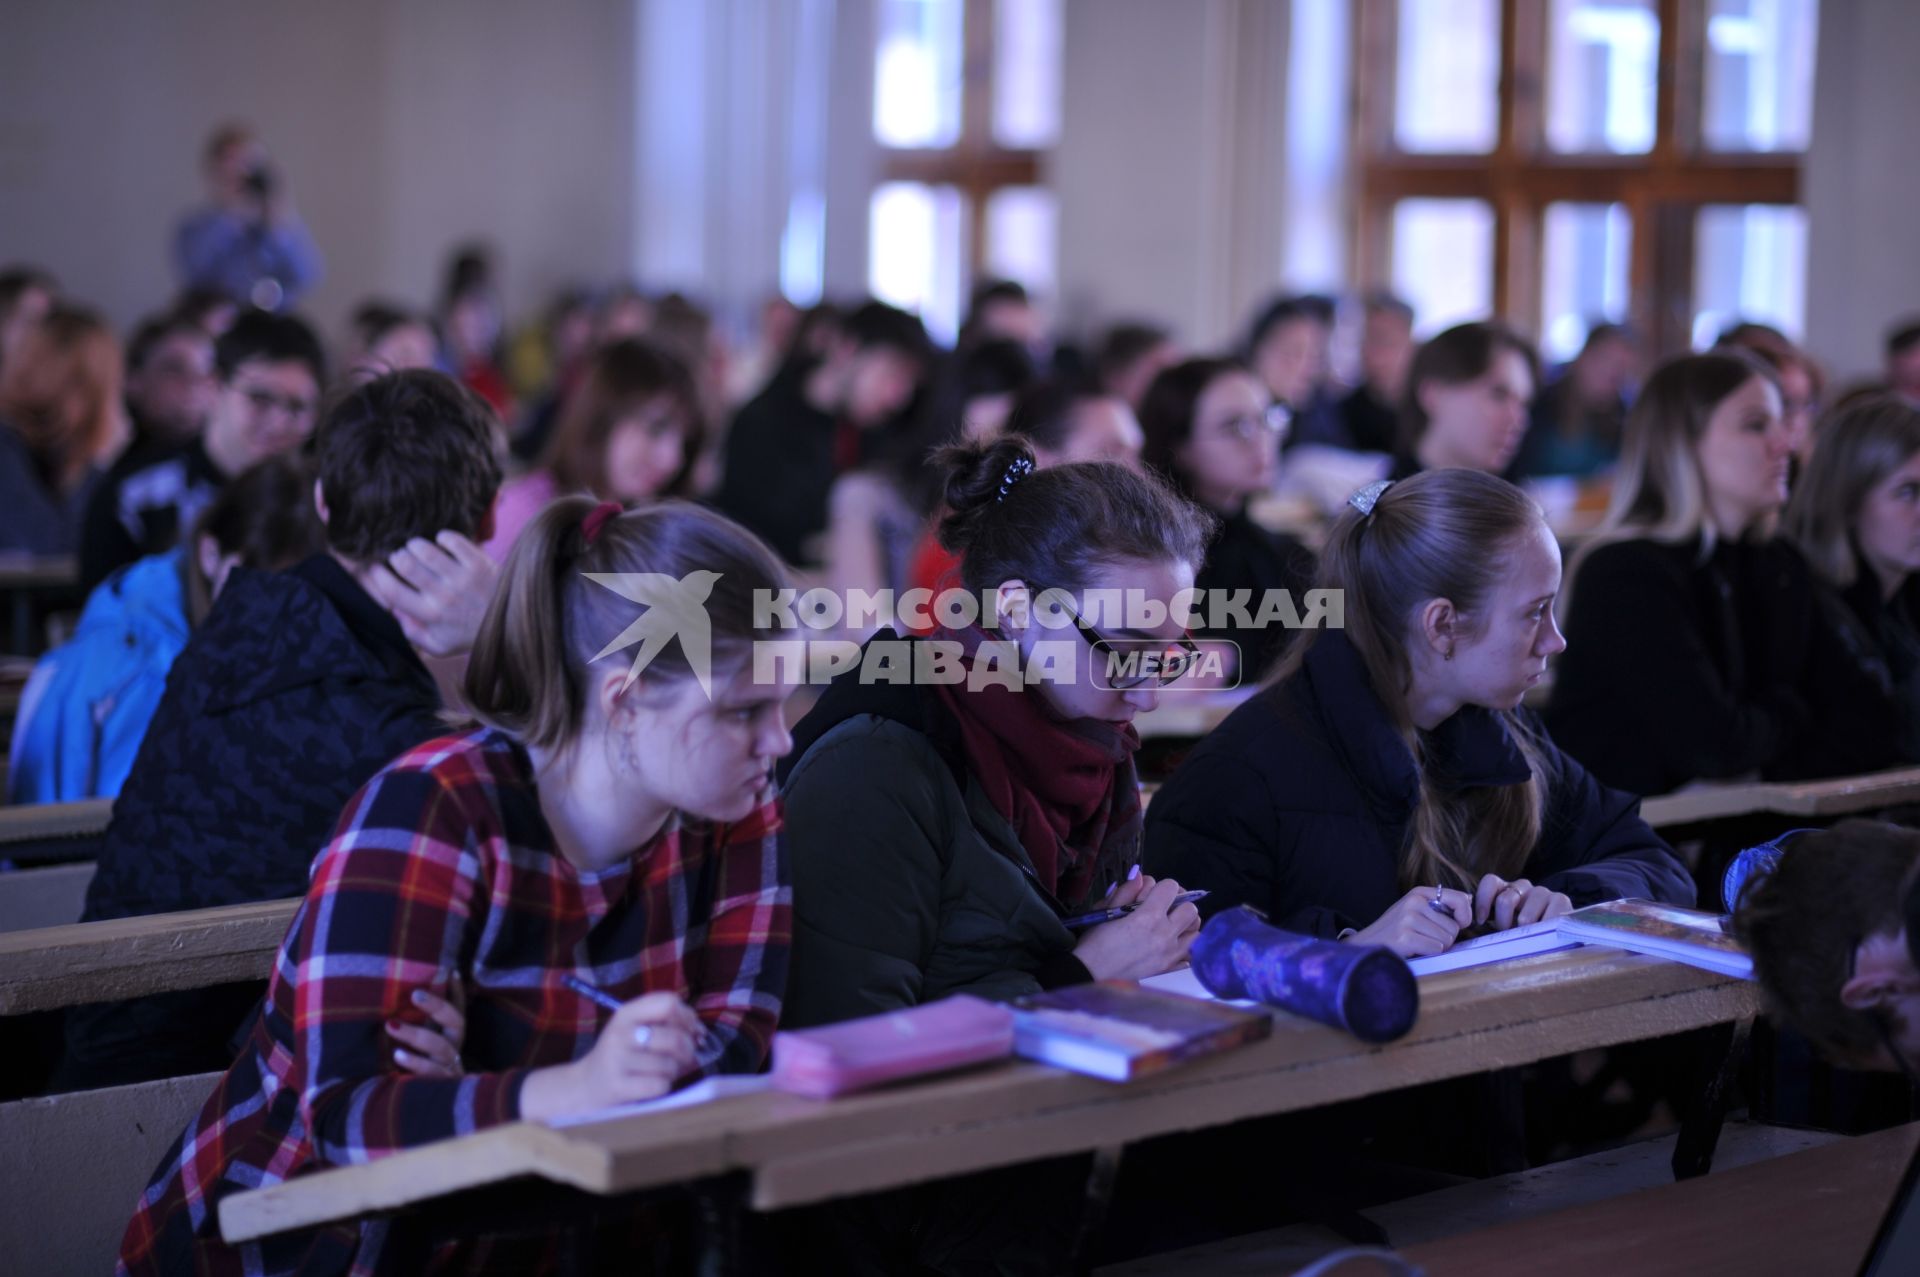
[
  {"x": 1440, "y": 534},
  {"x": 1858, "y": 446}
]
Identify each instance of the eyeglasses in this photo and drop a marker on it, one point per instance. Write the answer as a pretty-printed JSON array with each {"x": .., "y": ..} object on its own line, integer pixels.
[
  {"x": 265, "y": 401},
  {"x": 1253, "y": 427},
  {"x": 1172, "y": 663}
]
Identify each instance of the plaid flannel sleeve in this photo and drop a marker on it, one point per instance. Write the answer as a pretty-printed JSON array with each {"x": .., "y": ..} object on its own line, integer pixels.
[
  {"x": 389, "y": 901},
  {"x": 738, "y": 977}
]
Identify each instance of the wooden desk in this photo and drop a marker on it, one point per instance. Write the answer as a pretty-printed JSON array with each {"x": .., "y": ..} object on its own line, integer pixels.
[
  {"x": 798, "y": 1151},
  {"x": 1811, "y": 1212},
  {"x": 1846, "y": 795},
  {"x": 83, "y": 962}
]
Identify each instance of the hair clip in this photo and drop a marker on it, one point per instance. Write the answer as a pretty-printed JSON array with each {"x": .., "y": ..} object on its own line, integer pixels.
[
  {"x": 1017, "y": 470},
  {"x": 1369, "y": 496},
  {"x": 597, "y": 519},
  {"x": 1753, "y": 864}
]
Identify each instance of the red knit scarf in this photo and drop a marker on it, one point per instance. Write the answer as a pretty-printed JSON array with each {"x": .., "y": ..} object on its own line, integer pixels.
[{"x": 1068, "y": 787}]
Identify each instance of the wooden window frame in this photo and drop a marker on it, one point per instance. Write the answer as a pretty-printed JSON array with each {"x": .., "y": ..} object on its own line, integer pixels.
[
  {"x": 975, "y": 164},
  {"x": 1662, "y": 190}
]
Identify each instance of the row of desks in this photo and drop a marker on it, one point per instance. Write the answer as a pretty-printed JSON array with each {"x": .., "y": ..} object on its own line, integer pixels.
[{"x": 797, "y": 1151}]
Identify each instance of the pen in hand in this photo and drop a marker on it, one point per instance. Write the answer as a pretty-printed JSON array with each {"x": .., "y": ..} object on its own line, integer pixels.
[
  {"x": 1082, "y": 921},
  {"x": 601, "y": 998}
]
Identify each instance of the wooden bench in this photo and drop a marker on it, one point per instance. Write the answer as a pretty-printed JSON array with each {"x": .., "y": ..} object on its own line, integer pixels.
[
  {"x": 795, "y": 1151},
  {"x": 51, "y": 896},
  {"x": 128, "y": 957},
  {"x": 1810, "y": 1212},
  {"x": 54, "y": 833},
  {"x": 76, "y": 1165},
  {"x": 1843, "y": 796}
]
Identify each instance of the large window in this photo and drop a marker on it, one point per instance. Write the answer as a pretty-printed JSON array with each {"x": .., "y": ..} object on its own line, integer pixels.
[
  {"x": 966, "y": 100},
  {"x": 1563, "y": 162}
]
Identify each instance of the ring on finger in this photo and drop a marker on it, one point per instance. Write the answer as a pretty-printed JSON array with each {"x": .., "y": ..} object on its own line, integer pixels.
[{"x": 643, "y": 1035}]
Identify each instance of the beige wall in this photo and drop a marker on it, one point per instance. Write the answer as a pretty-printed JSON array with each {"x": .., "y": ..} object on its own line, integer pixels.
[
  {"x": 1863, "y": 182},
  {"x": 401, "y": 127}
]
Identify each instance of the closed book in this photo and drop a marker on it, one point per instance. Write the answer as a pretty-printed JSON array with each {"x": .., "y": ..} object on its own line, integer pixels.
[
  {"x": 1120, "y": 1031},
  {"x": 1692, "y": 936},
  {"x": 1497, "y": 946},
  {"x": 855, "y": 1054}
]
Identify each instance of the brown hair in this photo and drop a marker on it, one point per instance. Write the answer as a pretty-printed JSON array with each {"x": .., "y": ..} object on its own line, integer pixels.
[
  {"x": 265, "y": 516},
  {"x": 1440, "y": 534},
  {"x": 1452, "y": 358},
  {"x": 1802, "y": 922},
  {"x": 1854, "y": 449},
  {"x": 1056, "y": 527},
  {"x": 1168, "y": 410},
  {"x": 622, "y": 378},
  {"x": 528, "y": 673},
  {"x": 405, "y": 455},
  {"x": 1660, "y": 492},
  {"x": 61, "y": 392}
]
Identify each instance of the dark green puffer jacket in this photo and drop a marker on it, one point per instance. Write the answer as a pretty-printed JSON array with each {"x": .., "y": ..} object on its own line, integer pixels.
[{"x": 908, "y": 886}]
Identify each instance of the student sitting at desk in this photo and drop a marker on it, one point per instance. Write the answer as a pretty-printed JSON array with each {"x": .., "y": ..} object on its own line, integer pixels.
[
  {"x": 1696, "y": 649},
  {"x": 604, "y": 830},
  {"x": 1834, "y": 928},
  {"x": 1855, "y": 515},
  {"x": 1387, "y": 788},
  {"x": 298, "y": 687},
  {"x": 1467, "y": 397}
]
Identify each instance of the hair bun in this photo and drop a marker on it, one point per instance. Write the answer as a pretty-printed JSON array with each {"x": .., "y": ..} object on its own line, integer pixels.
[{"x": 978, "y": 476}]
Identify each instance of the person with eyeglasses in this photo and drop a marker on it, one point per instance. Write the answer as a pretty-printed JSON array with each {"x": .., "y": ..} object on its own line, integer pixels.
[
  {"x": 1215, "y": 431},
  {"x": 1387, "y": 788},
  {"x": 941, "y": 834},
  {"x": 268, "y": 374}
]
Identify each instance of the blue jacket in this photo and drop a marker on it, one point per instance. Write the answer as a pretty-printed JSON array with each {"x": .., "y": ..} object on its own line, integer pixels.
[{"x": 87, "y": 705}]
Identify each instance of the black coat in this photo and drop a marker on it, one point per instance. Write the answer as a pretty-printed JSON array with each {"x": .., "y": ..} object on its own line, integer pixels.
[
  {"x": 1299, "y": 804},
  {"x": 780, "y": 469},
  {"x": 1682, "y": 667},
  {"x": 1881, "y": 637},
  {"x": 296, "y": 690},
  {"x": 1245, "y": 556}
]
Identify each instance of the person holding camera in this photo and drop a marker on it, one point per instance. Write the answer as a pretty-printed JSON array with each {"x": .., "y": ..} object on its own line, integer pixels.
[{"x": 247, "y": 243}]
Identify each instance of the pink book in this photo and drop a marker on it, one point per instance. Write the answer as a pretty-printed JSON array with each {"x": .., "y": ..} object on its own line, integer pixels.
[{"x": 856, "y": 1054}]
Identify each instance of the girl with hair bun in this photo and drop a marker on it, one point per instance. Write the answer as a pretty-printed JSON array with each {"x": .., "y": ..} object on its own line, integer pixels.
[
  {"x": 607, "y": 827},
  {"x": 1386, "y": 787},
  {"x": 1698, "y": 652},
  {"x": 941, "y": 835}
]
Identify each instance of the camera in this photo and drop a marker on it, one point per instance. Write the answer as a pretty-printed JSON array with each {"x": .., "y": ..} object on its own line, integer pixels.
[{"x": 258, "y": 182}]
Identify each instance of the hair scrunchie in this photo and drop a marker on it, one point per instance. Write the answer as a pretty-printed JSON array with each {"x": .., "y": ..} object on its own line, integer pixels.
[{"x": 597, "y": 519}]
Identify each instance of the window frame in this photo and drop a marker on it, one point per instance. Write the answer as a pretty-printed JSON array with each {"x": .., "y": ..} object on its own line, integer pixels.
[{"x": 1662, "y": 190}]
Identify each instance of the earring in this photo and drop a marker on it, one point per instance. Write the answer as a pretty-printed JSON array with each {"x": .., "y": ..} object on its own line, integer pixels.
[{"x": 1449, "y": 653}]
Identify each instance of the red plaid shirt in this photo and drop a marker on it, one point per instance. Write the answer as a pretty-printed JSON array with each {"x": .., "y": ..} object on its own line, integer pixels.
[{"x": 443, "y": 863}]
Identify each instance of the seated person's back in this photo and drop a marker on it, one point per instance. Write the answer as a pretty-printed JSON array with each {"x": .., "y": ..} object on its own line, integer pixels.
[{"x": 299, "y": 686}]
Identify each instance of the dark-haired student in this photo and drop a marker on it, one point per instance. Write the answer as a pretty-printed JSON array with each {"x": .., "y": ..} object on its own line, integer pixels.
[
  {"x": 1855, "y": 515},
  {"x": 1834, "y": 929},
  {"x": 1467, "y": 396},
  {"x": 295, "y": 690},
  {"x": 1389, "y": 765},
  {"x": 60, "y": 419},
  {"x": 605, "y": 827},
  {"x": 790, "y": 442},
  {"x": 1697, "y": 651},
  {"x": 940, "y": 834},
  {"x": 269, "y": 370},
  {"x": 1214, "y": 429},
  {"x": 86, "y": 708}
]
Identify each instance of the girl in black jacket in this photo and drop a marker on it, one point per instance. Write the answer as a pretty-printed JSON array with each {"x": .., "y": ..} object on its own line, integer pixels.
[
  {"x": 1696, "y": 646},
  {"x": 1386, "y": 788},
  {"x": 1855, "y": 514}
]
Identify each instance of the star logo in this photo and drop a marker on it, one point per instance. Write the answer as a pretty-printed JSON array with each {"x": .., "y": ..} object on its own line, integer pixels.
[{"x": 674, "y": 607}]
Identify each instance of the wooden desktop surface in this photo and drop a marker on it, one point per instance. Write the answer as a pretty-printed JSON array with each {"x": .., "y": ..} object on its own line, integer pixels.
[{"x": 800, "y": 1151}]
